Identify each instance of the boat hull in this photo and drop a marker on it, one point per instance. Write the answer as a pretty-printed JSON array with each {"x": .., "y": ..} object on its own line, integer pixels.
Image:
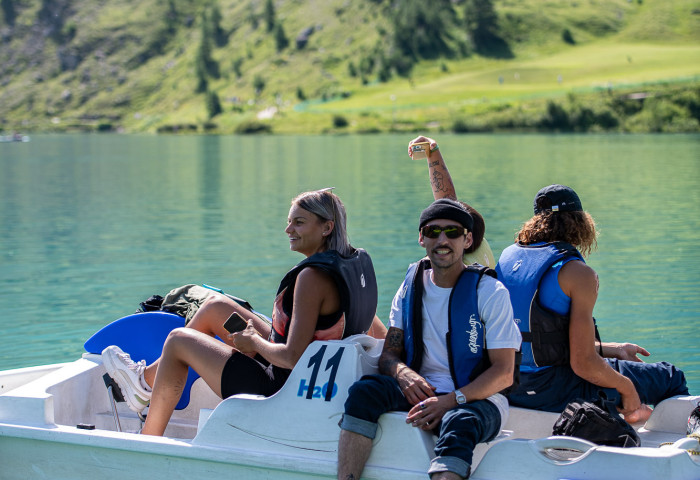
[
  {"x": 292, "y": 434},
  {"x": 62, "y": 454}
]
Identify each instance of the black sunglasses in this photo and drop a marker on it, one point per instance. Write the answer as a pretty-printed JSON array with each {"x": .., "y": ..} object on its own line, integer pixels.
[{"x": 434, "y": 231}]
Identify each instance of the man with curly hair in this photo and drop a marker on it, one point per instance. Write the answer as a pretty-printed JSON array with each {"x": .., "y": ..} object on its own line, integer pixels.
[{"x": 553, "y": 293}]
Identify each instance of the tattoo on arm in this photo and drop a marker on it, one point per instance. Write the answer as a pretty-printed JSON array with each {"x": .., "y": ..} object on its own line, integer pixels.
[
  {"x": 393, "y": 348},
  {"x": 394, "y": 339},
  {"x": 437, "y": 181},
  {"x": 387, "y": 365}
]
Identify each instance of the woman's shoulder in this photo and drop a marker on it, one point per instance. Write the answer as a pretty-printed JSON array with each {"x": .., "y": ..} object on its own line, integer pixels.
[{"x": 313, "y": 275}]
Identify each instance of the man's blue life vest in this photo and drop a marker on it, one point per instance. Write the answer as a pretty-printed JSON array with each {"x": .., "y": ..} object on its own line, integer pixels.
[
  {"x": 545, "y": 332},
  {"x": 357, "y": 286},
  {"x": 466, "y": 340}
]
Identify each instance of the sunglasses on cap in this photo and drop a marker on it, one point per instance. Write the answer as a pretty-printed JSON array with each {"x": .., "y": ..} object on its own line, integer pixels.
[{"x": 434, "y": 231}]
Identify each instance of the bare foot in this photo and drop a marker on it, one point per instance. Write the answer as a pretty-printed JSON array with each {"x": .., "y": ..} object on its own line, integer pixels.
[{"x": 640, "y": 415}]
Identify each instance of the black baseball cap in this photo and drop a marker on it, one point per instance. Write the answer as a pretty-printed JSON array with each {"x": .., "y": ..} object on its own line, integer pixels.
[{"x": 557, "y": 198}]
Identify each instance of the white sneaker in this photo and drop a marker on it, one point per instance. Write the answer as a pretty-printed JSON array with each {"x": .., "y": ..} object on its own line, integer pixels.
[{"x": 127, "y": 374}]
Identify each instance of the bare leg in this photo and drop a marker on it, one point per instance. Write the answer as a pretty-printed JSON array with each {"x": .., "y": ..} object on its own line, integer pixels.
[
  {"x": 215, "y": 310},
  {"x": 353, "y": 452},
  {"x": 184, "y": 347},
  {"x": 149, "y": 374},
  {"x": 210, "y": 319},
  {"x": 445, "y": 476}
]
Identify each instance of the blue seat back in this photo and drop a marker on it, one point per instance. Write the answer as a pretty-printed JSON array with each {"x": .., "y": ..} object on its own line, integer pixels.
[{"x": 142, "y": 336}]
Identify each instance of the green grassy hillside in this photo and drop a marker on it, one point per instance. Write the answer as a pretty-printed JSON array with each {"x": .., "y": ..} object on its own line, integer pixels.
[{"x": 348, "y": 66}]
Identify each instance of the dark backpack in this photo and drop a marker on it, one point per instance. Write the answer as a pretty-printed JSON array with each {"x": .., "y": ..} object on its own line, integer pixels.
[{"x": 597, "y": 422}]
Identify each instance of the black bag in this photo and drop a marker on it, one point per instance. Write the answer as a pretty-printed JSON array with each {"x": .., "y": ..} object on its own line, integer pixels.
[
  {"x": 597, "y": 422},
  {"x": 152, "y": 304}
]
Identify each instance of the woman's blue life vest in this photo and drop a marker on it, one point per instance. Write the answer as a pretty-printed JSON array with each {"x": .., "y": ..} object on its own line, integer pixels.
[
  {"x": 357, "y": 286},
  {"x": 465, "y": 337},
  {"x": 545, "y": 332}
]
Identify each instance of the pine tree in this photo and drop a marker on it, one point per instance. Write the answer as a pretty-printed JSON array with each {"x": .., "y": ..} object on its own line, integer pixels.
[
  {"x": 217, "y": 32},
  {"x": 258, "y": 84},
  {"x": 421, "y": 29},
  {"x": 269, "y": 15},
  {"x": 171, "y": 17},
  {"x": 8, "y": 10},
  {"x": 280, "y": 38},
  {"x": 206, "y": 66},
  {"x": 482, "y": 23},
  {"x": 213, "y": 104},
  {"x": 202, "y": 82}
]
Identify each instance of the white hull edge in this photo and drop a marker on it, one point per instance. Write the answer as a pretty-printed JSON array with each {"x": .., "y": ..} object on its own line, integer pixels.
[{"x": 294, "y": 433}]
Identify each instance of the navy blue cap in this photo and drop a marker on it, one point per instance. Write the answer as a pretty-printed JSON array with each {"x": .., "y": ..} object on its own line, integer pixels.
[{"x": 557, "y": 198}]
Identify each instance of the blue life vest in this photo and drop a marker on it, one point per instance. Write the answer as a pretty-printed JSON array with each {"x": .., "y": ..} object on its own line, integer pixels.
[
  {"x": 545, "y": 332},
  {"x": 465, "y": 336},
  {"x": 357, "y": 286}
]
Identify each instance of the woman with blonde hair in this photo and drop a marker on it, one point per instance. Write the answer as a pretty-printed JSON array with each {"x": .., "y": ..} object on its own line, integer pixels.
[{"x": 331, "y": 294}]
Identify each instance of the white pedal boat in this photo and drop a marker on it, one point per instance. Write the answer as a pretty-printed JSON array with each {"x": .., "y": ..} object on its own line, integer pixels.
[{"x": 45, "y": 410}]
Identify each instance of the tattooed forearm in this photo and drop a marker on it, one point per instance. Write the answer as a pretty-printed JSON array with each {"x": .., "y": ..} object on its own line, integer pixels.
[
  {"x": 387, "y": 366},
  {"x": 393, "y": 349},
  {"x": 438, "y": 182},
  {"x": 394, "y": 339},
  {"x": 439, "y": 185}
]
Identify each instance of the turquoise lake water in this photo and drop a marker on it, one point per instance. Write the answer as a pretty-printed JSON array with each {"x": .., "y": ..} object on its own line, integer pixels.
[{"x": 92, "y": 225}]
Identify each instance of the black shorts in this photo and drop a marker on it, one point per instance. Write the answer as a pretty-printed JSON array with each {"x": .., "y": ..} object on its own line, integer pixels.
[{"x": 257, "y": 376}]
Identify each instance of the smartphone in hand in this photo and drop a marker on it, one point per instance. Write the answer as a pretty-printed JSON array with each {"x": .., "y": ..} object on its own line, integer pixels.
[{"x": 235, "y": 323}]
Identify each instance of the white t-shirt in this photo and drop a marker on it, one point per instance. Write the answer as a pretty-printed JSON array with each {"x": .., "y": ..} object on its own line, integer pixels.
[{"x": 495, "y": 310}]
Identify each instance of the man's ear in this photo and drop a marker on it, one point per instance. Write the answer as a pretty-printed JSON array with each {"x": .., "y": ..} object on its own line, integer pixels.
[
  {"x": 420, "y": 240},
  {"x": 469, "y": 240}
]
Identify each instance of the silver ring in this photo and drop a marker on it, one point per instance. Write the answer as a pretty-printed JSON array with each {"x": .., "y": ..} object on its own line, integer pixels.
[{"x": 422, "y": 405}]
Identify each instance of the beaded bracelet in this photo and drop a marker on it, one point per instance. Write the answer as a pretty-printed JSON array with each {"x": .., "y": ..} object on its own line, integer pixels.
[{"x": 434, "y": 149}]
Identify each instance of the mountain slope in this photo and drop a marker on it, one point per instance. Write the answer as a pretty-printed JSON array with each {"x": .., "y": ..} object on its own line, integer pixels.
[{"x": 144, "y": 66}]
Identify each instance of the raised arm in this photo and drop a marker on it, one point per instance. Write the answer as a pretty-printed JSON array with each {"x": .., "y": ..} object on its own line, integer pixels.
[
  {"x": 443, "y": 187},
  {"x": 440, "y": 179}
]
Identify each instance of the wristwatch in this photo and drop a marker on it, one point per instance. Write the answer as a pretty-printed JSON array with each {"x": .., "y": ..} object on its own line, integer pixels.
[{"x": 459, "y": 396}]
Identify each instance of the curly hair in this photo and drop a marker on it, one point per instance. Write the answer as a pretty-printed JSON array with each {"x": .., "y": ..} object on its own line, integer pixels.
[{"x": 576, "y": 228}]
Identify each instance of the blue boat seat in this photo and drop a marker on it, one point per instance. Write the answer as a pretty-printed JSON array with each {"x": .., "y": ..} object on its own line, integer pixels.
[{"x": 142, "y": 336}]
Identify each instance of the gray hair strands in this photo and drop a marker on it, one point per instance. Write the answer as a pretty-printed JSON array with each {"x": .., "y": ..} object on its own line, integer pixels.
[{"x": 327, "y": 206}]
